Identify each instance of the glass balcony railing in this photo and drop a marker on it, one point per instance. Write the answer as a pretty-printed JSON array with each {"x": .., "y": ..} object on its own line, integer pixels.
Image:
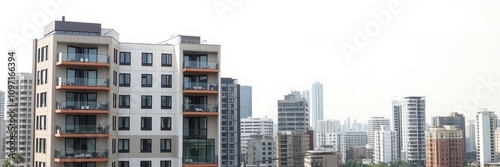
[
  {"x": 195, "y": 133},
  {"x": 99, "y": 153},
  {"x": 82, "y": 57},
  {"x": 81, "y": 105},
  {"x": 200, "y": 86},
  {"x": 200, "y": 159},
  {"x": 201, "y": 64},
  {"x": 64, "y": 81},
  {"x": 200, "y": 107},
  {"x": 82, "y": 129}
]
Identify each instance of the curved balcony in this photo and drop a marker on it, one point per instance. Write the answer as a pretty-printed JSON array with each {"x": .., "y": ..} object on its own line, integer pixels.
[
  {"x": 82, "y": 131},
  {"x": 200, "y": 66},
  {"x": 82, "y": 59},
  {"x": 200, "y": 88},
  {"x": 82, "y": 107},
  {"x": 200, "y": 110},
  {"x": 98, "y": 155},
  {"x": 82, "y": 83}
]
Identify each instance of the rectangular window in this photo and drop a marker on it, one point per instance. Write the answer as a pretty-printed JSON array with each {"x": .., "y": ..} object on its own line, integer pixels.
[
  {"x": 165, "y": 164},
  {"x": 124, "y": 80},
  {"x": 115, "y": 77},
  {"x": 43, "y": 124},
  {"x": 146, "y": 101},
  {"x": 166, "y": 60},
  {"x": 165, "y": 145},
  {"x": 123, "y": 164},
  {"x": 147, "y": 59},
  {"x": 113, "y": 146},
  {"x": 115, "y": 56},
  {"x": 123, "y": 123},
  {"x": 166, "y": 102},
  {"x": 146, "y": 123},
  {"x": 114, "y": 123},
  {"x": 147, "y": 80},
  {"x": 166, "y": 123},
  {"x": 166, "y": 81},
  {"x": 145, "y": 146},
  {"x": 124, "y": 101},
  {"x": 124, "y": 58},
  {"x": 114, "y": 100},
  {"x": 123, "y": 146}
]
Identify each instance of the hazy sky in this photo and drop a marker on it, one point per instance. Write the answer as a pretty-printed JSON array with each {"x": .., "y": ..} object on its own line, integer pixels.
[{"x": 445, "y": 50}]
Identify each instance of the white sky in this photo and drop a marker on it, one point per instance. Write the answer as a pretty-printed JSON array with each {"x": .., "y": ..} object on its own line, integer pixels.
[{"x": 437, "y": 49}]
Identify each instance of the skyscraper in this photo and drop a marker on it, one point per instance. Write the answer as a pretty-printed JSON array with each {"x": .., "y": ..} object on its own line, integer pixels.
[
  {"x": 470, "y": 133},
  {"x": 293, "y": 113},
  {"x": 396, "y": 125},
  {"x": 245, "y": 101},
  {"x": 20, "y": 123},
  {"x": 413, "y": 130},
  {"x": 444, "y": 146},
  {"x": 230, "y": 123},
  {"x": 375, "y": 124},
  {"x": 455, "y": 119},
  {"x": 485, "y": 136},
  {"x": 384, "y": 145},
  {"x": 317, "y": 104}
]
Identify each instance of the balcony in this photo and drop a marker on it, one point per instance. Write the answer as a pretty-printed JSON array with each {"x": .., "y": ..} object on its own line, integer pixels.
[
  {"x": 200, "y": 110},
  {"x": 82, "y": 83},
  {"x": 82, "y": 131},
  {"x": 195, "y": 161},
  {"x": 195, "y": 133},
  {"x": 201, "y": 66},
  {"x": 81, "y": 155},
  {"x": 199, "y": 152},
  {"x": 82, "y": 107},
  {"x": 200, "y": 88},
  {"x": 82, "y": 60}
]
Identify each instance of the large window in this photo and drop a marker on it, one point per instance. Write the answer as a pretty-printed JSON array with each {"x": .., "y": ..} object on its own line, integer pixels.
[
  {"x": 124, "y": 79},
  {"x": 124, "y": 101},
  {"x": 147, "y": 80},
  {"x": 123, "y": 146},
  {"x": 124, "y": 58},
  {"x": 166, "y": 60},
  {"x": 76, "y": 164},
  {"x": 146, "y": 101},
  {"x": 145, "y": 146},
  {"x": 115, "y": 79},
  {"x": 166, "y": 81},
  {"x": 123, "y": 123},
  {"x": 165, "y": 145},
  {"x": 165, "y": 164},
  {"x": 123, "y": 164},
  {"x": 166, "y": 123},
  {"x": 146, "y": 123},
  {"x": 147, "y": 59},
  {"x": 166, "y": 102},
  {"x": 195, "y": 127}
]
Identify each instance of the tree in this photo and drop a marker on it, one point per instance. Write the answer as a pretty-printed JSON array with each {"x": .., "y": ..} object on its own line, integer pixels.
[
  {"x": 18, "y": 158},
  {"x": 6, "y": 163},
  {"x": 399, "y": 163}
]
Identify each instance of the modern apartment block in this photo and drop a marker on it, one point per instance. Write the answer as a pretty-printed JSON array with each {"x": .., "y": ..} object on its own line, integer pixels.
[
  {"x": 444, "y": 146},
  {"x": 375, "y": 124},
  {"x": 317, "y": 104},
  {"x": 327, "y": 134},
  {"x": 230, "y": 122},
  {"x": 396, "y": 125},
  {"x": 261, "y": 151},
  {"x": 322, "y": 159},
  {"x": 291, "y": 148},
  {"x": 385, "y": 148},
  {"x": 102, "y": 102},
  {"x": 485, "y": 136},
  {"x": 455, "y": 119},
  {"x": 293, "y": 113},
  {"x": 252, "y": 126},
  {"x": 245, "y": 101},
  {"x": 20, "y": 123},
  {"x": 413, "y": 130},
  {"x": 497, "y": 144},
  {"x": 349, "y": 140}
]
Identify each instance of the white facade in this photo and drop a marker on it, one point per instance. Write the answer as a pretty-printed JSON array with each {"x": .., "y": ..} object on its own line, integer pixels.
[
  {"x": 375, "y": 124},
  {"x": 413, "y": 130},
  {"x": 470, "y": 136},
  {"x": 326, "y": 134},
  {"x": 252, "y": 126},
  {"x": 350, "y": 140},
  {"x": 317, "y": 104},
  {"x": 485, "y": 136},
  {"x": 385, "y": 149}
]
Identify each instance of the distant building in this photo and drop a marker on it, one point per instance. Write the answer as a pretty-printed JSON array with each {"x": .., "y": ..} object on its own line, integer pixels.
[
  {"x": 252, "y": 126},
  {"x": 485, "y": 136},
  {"x": 293, "y": 113},
  {"x": 374, "y": 124},
  {"x": 317, "y": 104},
  {"x": 358, "y": 153},
  {"x": 413, "y": 130},
  {"x": 290, "y": 148},
  {"x": 396, "y": 125},
  {"x": 470, "y": 136},
  {"x": 444, "y": 147},
  {"x": 261, "y": 151},
  {"x": 385, "y": 148},
  {"x": 322, "y": 159},
  {"x": 497, "y": 144},
  {"x": 327, "y": 134},
  {"x": 245, "y": 101},
  {"x": 230, "y": 123},
  {"x": 455, "y": 119},
  {"x": 350, "y": 140}
]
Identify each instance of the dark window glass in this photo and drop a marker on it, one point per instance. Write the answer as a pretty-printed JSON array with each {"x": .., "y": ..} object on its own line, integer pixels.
[
  {"x": 147, "y": 59},
  {"x": 166, "y": 60},
  {"x": 147, "y": 80},
  {"x": 123, "y": 123},
  {"x": 124, "y": 58},
  {"x": 146, "y": 101}
]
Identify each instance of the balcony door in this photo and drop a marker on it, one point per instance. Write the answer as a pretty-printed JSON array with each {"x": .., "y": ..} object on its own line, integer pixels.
[
  {"x": 195, "y": 60},
  {"x": 195, "y": 127},
  {"x": 78, "y": 146},
  {"x": 195, "y": 81},
  {"x": 81, "y": 100},
  {"x": 82, "y": 54},
  {"x": 193, "y": 102},
  {"x": 82, "y": 77},
  {"x": 81, "y": 124}
]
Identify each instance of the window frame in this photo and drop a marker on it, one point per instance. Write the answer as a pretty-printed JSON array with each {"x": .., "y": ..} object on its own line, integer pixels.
[
  {"x": 123, "y": 77},
  {"x": 126, "y": 125},
  {"x": 148, "y": 79},
  {"x": 169, "y": 123},
  {"x": 166, "y": 81},
  {"x": 165, "y": 145},
  {"x": 148, "y": 57},
  {"x": 123, "y": 58},
  {"x": 121, "y": 146},
  {"x": 123, "y": 101},
  {"x": 147, "y": 123},
  {"x": 146, "y": 102},
  {"x": 166, "y": 102},
  {"x": 146, "y": 150},
  {"x": 166, "y": 60}
]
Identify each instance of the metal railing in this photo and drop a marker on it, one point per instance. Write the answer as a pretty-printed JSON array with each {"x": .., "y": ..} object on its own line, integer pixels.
[
  {"x": 82, "y": 129},
  {"x": 82, "y": 105},
  {"x": 99, "y": 153},
  {"x": 201, "y": 64},
  {"x": 82, "y": 57},
  {"x": 205, "y": 159},
  {"x": 195, "y": 133},
  {"x": 200, "y": 86},
  {"x": 64, "y": 81},
  {"x": 200, "y": 107}
]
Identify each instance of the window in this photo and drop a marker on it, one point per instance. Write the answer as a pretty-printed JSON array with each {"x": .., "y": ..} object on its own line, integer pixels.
[
  {"x": 123, "y": 164},
  {"x": 147, "y": 80},
  {"x": 125, "y": 59},
  {"x": 43, "y": 122},
  {"x": 124, "y": 101},
  {"x": 113, "y": 146},
  {"x": 42, "y": 99},
  {"x": 146, "y": 101},
  {"x": 166, "y": 102},
  {"x": 115, "y": 56},
  {"x": 114, "y": 100},
  {"x": 124, "y": 79},
  {"x": 123, "y": 147},
  {"x": 123, "y": 123},
  {"x": 165, "y": 145},
  {"x": 147, "y": 59},
  {"x": 114, "y": 77},
  {"x": 146, "y": 123},
  {"x": 114, "y": 122},
  {"x": 166, "y": 60},
  {"x": 166, "y": 81},
  {"x": 145, "y": 146},
  {"x": 166, "y": 123},
  {"x": 165, "y": 164}
]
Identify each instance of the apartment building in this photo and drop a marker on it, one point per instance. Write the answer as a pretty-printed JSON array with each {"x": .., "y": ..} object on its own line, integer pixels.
[
  {"x": 251, "y": 126},
  {"x": 293, "y": 113},
  {"x": 444, "y": 146},
  {"x": 485, "y": 136},
  {"x": 20, "y": 124},
  {"x": 291, "y": 148},
  {"x": 413, "y": 130},
  {"x": 385, "y": 145},
  {"x": 396, "y": 124},
  {"x": 327, "y": 135},
  {"x": 111, "y": 103},
  {"x": 350, "y": 140},
  {"x": 261, "y": 151},
  {"x": 374, "y": 124},
  {"x": 322, "y": 159},
  {"x": 230, "y": 122},
  {"x": 454, "y": 119}
]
